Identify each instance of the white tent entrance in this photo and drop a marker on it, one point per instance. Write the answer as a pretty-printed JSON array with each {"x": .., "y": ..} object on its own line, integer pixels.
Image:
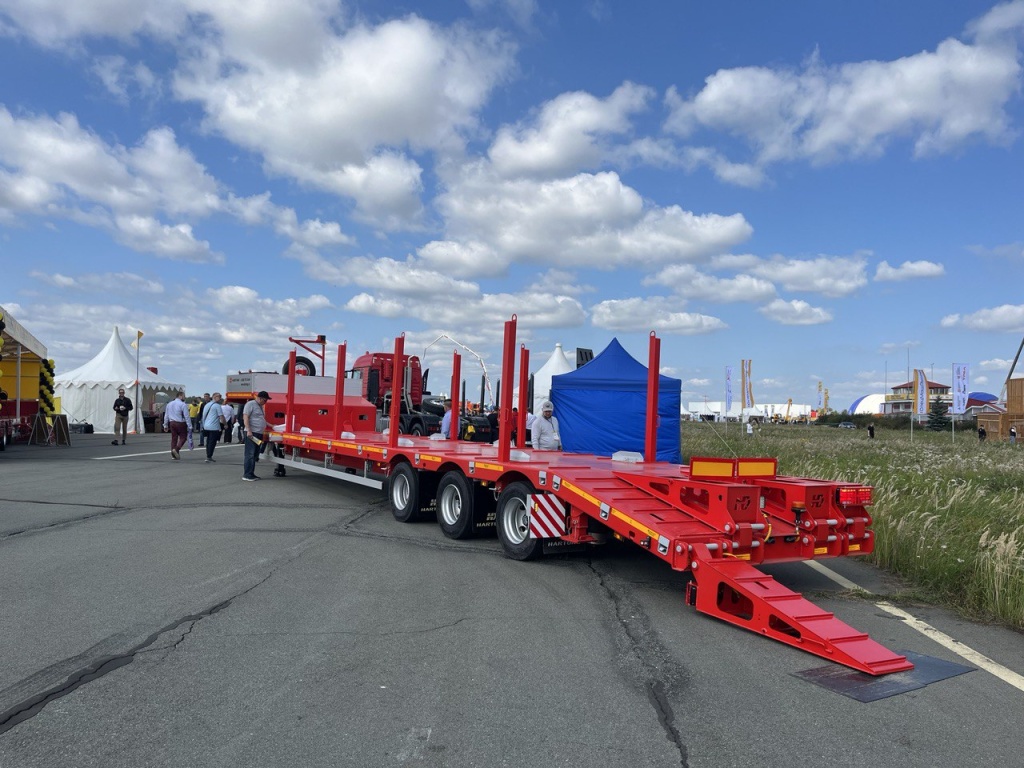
[{"x": 88, "y": 392}]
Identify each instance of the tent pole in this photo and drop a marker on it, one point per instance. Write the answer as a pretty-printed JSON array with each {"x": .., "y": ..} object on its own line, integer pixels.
[{"x": 138, "y": 344}]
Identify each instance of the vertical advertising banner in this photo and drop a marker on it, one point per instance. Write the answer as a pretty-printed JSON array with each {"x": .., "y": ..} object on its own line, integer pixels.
[
  {"x": 920, "y": 392},
  {"x": 820, "y": 403},
  {"x": 728, "y": 389},
  {"x": 748, "y": 386},
  {"x": 961, "y": 379}
]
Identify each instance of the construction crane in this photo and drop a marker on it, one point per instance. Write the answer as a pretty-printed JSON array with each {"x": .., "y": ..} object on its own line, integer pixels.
[{"x": 483, "y": 366}]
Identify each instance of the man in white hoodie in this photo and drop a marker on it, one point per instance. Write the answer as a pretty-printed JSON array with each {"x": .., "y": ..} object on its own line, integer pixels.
[{"x": 545, "y": 429}]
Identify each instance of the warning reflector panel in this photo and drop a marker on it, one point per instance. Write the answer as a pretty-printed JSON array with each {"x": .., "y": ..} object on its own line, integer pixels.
[{"x": 547, "y": 517}]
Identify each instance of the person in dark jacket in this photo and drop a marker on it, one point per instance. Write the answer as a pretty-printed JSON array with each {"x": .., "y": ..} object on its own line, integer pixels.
[{"x": 122, "y": 412}]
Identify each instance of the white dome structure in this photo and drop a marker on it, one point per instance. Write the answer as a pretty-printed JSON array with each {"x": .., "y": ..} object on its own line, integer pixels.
[{"x": 868, "y": 404}]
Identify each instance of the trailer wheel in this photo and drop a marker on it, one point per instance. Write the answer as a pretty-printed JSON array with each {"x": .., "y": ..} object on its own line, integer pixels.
[
  {"x": 404, "y": 493},
  {"x": 513, "y": 523},
  {"x": 455, "y": 499}
]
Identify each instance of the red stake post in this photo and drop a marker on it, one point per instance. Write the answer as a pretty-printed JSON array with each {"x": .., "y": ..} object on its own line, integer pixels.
[
  {"x": 289, "y": 397},
  {"x": 508, "y": 365},
  {"x": 456, "y": 394},
  {"x": 524, "y": 387},
  {"x": 653, "y": 373},
  {"x": 339, "y": 390},
  {"x": 397, "y": 381}
]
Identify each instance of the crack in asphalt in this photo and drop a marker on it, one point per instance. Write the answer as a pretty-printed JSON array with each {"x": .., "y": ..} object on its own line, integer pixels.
[
  {"x": 655, "y": 662},
  {"x": 33, "y": 705}
]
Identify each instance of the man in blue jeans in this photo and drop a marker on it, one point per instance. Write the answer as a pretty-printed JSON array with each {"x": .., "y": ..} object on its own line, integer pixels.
[{"x": 255, "y": 423}]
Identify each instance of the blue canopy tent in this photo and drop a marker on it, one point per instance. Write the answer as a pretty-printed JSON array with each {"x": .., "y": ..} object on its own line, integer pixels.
[{"x": 601, "y": 407}]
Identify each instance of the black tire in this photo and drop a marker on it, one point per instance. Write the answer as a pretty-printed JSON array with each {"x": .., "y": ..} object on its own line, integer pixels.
[
  {"x": 303, "y": 367},
  {"x": 404, "y": 493},
  {"x": 3, "y": 438},
  {"x": 417, "y": 430},
  {"x": 513, "y": 523},
  {"x": 455, "y": 497}
]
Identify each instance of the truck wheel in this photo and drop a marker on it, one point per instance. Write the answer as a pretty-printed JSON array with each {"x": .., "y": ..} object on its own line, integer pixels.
[
  {"x": 303, "y": 367},
  {"x": 455, "y": 498},
  {"x": 514, "y": 523},
  {"x": 417, "y": 430},
  {"x": 404, "y": 493}
]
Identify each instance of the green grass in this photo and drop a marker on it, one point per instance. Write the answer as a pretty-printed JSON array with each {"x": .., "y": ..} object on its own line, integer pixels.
[{"x": 948, "y": 512}]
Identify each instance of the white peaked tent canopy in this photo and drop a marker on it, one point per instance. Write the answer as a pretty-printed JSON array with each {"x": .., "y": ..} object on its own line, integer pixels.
[
  {"x": 88, "y": 392},
  {"x": 556, "y": 364}
]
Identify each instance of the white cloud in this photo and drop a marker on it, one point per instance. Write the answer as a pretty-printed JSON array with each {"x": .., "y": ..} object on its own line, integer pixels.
[
  {"x": 369, "y": 93},
  {"x": 177, "y": 242},
  {"x": 1008, "y": 317},
  {"x": 687, "y": 281},
  {"x": 651, "y": 314},
  {"x": 937, "y": 99},
  {"x": 996, "y": 364},
  {"x": 591, "y": 220},
  {"x": 466, "y": 258},
  {"x": 908, "y": 270},
  {"x": 828, "y": 275},
  {"x": 101, "y": 283},
  {"x": 795, "y": 312},
  {"x": 123, "y": 79},
  {"x": 568, "y": 133}
]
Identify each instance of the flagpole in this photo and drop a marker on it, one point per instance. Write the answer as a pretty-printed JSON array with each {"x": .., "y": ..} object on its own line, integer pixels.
[{"x": 138, "y": 343}]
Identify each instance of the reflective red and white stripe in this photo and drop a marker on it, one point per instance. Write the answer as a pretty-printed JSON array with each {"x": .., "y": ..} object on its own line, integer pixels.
[{"x": 547, "y": 517}]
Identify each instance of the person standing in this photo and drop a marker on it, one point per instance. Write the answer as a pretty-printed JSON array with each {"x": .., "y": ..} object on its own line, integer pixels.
[
  {"x": 545, "y": 429},
  {"x": 197, "y": 420},
  {"x": 446, "y": 420},
  {"x": 1013, "y": 435},
  {"x": 982, "y": 434},
  {"x": 255, "y": 422},
  {"x": 177, "y": 419},
  {"x": 122, "y": 410},
  {"x": 229, "y": 420},
  {"x": 871, "y": 431},
  {"x": 213, "y": 423}
]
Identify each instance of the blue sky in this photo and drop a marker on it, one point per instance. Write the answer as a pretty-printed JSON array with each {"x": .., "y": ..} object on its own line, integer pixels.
[{"x": 827, "y": 189}]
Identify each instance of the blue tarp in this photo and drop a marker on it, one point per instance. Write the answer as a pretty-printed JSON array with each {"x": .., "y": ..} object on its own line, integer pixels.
[{"x": 602, "y": 407}]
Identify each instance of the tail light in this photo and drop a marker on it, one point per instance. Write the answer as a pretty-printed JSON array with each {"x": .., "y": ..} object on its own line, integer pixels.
[{"x": 854, "y": 495}]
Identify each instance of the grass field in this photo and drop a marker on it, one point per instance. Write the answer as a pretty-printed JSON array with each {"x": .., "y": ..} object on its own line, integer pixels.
[{"x": 948, "y": 511}]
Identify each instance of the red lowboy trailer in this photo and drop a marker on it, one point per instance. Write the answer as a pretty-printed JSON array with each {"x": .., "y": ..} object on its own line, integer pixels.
[{"x": 716, "y": 518}]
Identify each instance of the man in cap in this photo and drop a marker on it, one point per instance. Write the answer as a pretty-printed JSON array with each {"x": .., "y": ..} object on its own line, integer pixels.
[
  {"x": 122, "y": 409},
  {"x": 545, "y": 429},
  {"x": 255, "y": 422}
]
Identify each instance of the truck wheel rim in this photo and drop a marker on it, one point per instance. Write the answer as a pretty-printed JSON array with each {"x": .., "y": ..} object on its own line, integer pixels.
[
  {"x": 515, "y": 521},
  {"x": 451, "y": 505},
  {"x": 400, "y": 492}
]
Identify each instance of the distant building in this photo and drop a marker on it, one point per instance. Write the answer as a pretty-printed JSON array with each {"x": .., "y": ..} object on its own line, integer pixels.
[{"x": 901, "y": 401}]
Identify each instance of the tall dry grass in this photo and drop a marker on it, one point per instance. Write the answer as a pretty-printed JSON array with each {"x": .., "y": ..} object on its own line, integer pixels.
[{"x": 948, "y": 511}]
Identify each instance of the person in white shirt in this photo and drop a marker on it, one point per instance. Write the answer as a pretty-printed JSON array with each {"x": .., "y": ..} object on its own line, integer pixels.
[
  {"x": 229, "y": 420},
  {"x": 177, "y": 419},
  {"x": 545, "y": 429}
]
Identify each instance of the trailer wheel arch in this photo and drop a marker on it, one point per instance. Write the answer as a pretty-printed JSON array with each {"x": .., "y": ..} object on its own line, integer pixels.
[{"x": 513, "y": 522}]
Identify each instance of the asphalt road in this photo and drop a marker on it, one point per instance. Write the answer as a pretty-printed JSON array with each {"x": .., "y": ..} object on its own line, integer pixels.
[{"x": 157, "y": 612}]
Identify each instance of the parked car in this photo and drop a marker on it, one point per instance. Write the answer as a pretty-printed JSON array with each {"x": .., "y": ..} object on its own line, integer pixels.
[{"x": 847, "y": 425}]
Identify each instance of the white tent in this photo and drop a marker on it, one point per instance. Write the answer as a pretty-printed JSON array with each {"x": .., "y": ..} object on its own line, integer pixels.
[
  {"x": 88, "y": 392},
  {"x": 556, "y": 364}
]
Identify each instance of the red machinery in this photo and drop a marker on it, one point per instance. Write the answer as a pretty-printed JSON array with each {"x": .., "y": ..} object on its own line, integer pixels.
[{"x": 716, "y": 518}]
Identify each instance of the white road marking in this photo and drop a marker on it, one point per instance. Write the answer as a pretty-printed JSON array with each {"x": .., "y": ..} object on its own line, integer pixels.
[
  {"x": 157, "y": 453},
  {"x": 963, "y": 651}
]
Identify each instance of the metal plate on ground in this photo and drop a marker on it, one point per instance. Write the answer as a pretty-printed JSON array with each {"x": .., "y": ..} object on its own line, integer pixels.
[{"x": 866, "y": 688}]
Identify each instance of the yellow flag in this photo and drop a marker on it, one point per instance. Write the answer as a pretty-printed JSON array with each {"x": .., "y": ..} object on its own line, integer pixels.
[{"x": 135, "y": 344}]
